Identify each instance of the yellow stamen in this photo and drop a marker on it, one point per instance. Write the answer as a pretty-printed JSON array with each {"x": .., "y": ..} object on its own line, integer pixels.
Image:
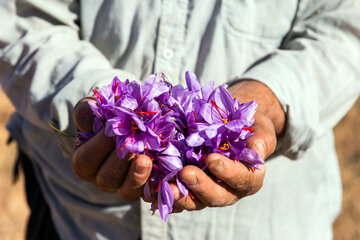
[
  {"x": 225, "y": 120},
  {"x": 134, "y": 127},
  {"x": 224, "y": 147}
]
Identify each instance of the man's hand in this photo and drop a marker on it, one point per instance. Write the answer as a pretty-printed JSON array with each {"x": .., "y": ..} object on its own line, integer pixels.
[
  {"x": 238, "y": 180},
  {"x": 96, "y": 161}
]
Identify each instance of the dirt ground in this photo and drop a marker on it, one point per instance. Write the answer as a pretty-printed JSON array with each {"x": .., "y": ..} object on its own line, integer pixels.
[{"x": 14, "y": 211}]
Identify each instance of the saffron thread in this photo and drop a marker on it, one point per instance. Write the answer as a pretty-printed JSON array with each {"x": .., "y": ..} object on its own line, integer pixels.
[{"x": 62, "y": 132}]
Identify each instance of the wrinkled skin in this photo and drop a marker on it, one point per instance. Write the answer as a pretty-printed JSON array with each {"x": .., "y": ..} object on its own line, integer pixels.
[{"x": 96, "y": 161}]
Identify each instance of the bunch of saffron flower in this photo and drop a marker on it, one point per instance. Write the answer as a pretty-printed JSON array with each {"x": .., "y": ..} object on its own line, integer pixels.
[{"x": 174, "y": 126}]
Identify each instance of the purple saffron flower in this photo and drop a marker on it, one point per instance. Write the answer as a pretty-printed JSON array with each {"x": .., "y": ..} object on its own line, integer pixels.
[
  {"x": 194, "y": 86},
  {"x": 165, "y": 196},
  {"x": 152, "y": 89},
  {"x": 224, "y": 116},
  {"x": 114, "y": 94},
  {"x": 166, "y": 165},
  {"x": 131, "y": 133},
  {"x": 196, "y": 156},
  {"x": 174, "y": 126},
  {"x": 237, "y": 151}
]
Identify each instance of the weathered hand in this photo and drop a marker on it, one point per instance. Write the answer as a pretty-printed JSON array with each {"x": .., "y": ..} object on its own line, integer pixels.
[
  {"x": 96, "y": 160},
  {"x": 238, "y": 180}
]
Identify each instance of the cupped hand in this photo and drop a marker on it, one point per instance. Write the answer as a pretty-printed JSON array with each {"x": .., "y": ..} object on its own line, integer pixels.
[
  {"x": 96, "y": 161},
  {"x": 237, "y": 180}
]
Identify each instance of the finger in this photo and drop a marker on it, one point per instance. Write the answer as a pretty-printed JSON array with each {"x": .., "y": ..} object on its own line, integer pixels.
[
  {"x": 208, "y": 191},
  {"x": 139, "y": 172},
  {"x": 263, "y": 141},
  {"x": 83, "y": 115},
  {"x": 112, "y": 172},
  {"x": 245, "y": 180},
  {"x": 88, "y": 157},
  {"x": 181, "y": 202},
  {"x": 177, "y": 210}
]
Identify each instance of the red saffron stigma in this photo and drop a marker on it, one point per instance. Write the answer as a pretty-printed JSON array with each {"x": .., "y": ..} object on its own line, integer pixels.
[
  {"x": 132, "y": 137},
  {"x": 248, "y": 129},
  {"x": 162, "y": 106},
  {"x": 146, "y": 113},
  {"x": 232, "y": 155},
  {"x": 158, "y": 187},
  {"x": 116, "y": 85},
  {"x": 126, "y": 142},
  {"x": 192, "y": 197},
  {"x": 122, "y": 124},
  {"x": 187, "y": 127},
  {"x": 194, "y": 115},
  {"x": 203, "y": 158},
  {"x": 97, "y": 95},
  {"x": 166, "y": 112},
  {"x": 217, "y": 109},
  {"x": 148, "y": 154},
  {"x": 162, "y": 141}
]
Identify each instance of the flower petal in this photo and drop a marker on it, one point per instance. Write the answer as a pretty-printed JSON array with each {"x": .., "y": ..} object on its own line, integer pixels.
[
  {"x": 98, "y": 125},
  {"x": 236, "y": 125},
  {"x": 226, "y": 99},
  {"x": 207, "y": 90},
  {"x": 191, "y": 81},
  {"x": 212, "y": 130},
  {"x": 139, "y": 123},
  {"x": 120, "y": 150},
  {"x": 146, "y": 190},
  {"x": 171, "y": 150},
  {"x": 114, "y": 127},
  {"x": 250, "y": 157},
  {"x": 129, "y": 102},
  {"x": 195, "y": 139},
  {"x": 182, "y": 187},
  {"x": 165, "y": 200},
  {"x": 206, "y": 112},
  {"x": 135, "y": 143}
]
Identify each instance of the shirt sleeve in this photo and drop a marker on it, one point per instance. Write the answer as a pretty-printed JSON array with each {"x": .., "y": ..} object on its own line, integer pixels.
[
  {"x": 315, "y": 73},
  {"x": 45, "y": 67}
]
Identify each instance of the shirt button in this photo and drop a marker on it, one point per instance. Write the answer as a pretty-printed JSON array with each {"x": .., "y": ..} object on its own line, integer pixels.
[{"x": 168, "y": 53}]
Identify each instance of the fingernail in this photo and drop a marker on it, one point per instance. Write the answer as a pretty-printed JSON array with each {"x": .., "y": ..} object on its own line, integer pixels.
[
  {"x": 141, "y": 169},
  {"x": 190, "y": 180},
  {"x": 261, "y": 148}
]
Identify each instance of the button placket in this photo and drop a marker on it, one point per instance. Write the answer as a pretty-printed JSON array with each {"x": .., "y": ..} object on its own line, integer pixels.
[
  {"x": 170, "y": 38},
  {"x": 168, "y": 53}
]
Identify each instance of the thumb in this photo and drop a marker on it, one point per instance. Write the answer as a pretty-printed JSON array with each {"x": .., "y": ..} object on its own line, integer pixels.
[
  {"x": 264, "y": 139},
  {"x": 83, "y": 115}
]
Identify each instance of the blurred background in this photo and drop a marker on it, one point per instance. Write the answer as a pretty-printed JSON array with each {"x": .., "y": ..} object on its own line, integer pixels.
[{"x": 14, "y": 211}]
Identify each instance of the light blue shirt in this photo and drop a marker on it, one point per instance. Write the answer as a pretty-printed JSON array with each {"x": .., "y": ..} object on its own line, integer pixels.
[{"x": 308, "y": 52}]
